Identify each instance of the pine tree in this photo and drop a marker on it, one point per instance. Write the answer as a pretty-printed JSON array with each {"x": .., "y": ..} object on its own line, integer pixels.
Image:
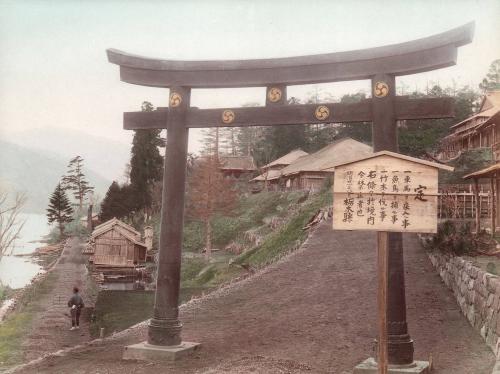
[
  {"x": 146, "y": 163},
  {"x": 59, "y": 209},
  {"x": 209, "y": 194},
  {"x": 75, "y": 180}
]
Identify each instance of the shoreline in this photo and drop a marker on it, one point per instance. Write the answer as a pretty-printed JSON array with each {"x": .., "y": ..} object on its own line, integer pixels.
[{"x": 46, "y": 261}]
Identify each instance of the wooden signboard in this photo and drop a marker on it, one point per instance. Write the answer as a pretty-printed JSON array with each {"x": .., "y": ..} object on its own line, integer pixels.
[{"x": 386, "y": 192}]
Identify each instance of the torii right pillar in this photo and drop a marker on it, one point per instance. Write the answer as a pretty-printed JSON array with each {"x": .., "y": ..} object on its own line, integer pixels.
[{"x": 385, "y": 138}]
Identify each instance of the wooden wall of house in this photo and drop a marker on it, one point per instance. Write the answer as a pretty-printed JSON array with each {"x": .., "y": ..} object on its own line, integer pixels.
[{"x": 112, "y": 248}]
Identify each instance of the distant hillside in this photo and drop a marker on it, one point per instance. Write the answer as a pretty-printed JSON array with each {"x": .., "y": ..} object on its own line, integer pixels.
[
  {"x": 37, "y": 173},
  {"x": 104, "y": 156}
]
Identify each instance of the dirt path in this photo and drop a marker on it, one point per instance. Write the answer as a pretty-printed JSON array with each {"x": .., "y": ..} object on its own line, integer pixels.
[
  {"x": 314, "y": 313},
  {"x": 50, "y": 328}
]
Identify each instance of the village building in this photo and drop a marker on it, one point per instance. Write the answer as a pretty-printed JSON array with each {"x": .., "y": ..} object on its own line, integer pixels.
[
  {"x": 272, "y": 171},
  {"x": 114, "y": 244},
  {"x": 310, "y": 172},
  {"x": 482, "y": 130},
  {"x": 237, "y": 166},
  {"x": 492, "y": 174}
]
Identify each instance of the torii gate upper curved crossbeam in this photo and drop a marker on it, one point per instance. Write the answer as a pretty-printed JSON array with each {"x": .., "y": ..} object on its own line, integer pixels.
[{"x": 415, "y": 56}]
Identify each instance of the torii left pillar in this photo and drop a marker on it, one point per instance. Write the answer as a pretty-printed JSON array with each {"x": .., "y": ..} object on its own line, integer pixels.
[{"x": 164, "y": 330}]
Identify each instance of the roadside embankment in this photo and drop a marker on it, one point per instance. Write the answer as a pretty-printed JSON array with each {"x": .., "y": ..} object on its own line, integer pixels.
[{"x": 476, "y": 291}]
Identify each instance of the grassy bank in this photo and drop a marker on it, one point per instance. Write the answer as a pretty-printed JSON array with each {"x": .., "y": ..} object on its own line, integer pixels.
[
  {"x": 18, "y": 323},
  {"x": 118, "y": 310},
  {"x": 288, "y": 238}
]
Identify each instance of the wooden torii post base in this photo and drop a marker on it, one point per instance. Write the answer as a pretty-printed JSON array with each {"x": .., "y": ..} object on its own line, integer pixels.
[{"x": 384, "y": 109}]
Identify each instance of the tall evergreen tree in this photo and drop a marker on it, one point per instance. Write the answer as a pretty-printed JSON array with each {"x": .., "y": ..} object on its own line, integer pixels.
[
  {"x": 75, "y": 180},
  {"x": 146, "y": 163},
  {"x": 59, "y": 209},
  {"x": 117, "y": 202}
]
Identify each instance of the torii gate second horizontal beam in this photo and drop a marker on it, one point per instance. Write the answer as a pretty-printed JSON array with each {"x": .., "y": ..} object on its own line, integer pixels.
[{"x": 405, "y": 109}]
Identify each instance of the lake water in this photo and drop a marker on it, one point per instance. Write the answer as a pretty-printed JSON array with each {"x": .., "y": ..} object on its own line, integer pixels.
[{"x": 16, "y": 272}]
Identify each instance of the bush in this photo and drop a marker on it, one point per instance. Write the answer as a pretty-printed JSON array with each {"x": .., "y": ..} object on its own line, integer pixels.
[
  {"x": 191, "y": 267},
  {"x": 5, "y": 291},
  {"x": 453, "y": 238},
  {"x": 194, "y": 239}
]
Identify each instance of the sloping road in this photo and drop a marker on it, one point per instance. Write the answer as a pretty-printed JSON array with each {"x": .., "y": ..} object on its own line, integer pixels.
[
  {"x": 50, "y": 328},
  {"x": 313, "y": 313}
]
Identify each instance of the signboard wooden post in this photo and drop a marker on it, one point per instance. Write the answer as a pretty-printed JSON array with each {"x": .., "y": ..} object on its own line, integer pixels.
[{"x": 386, "y": 192}]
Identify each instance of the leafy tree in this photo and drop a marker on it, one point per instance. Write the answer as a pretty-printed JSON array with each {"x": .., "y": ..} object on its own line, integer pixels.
[
  {"x": 59, "y": 209},
  {"x": 209, "y": 194},
  {"x": 146, "y": 163},
  {"x": 10, "y": 222},
  {"x": 117, "y": 202},
  {"x": 492, "y": 80},
  {"x": 419, "y": 137},
  {"x": 75, "y": 180},
  {"x": 360, "y": 131}
]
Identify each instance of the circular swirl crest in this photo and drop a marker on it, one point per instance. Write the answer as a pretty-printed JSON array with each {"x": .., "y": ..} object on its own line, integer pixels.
[
  {"x": 381, "y": 89},
  {"x": 228, "y": 116},
  {"x": 274, "y": 95},
  {"x": 175, "y": 99},
  {"x": 322, "y": 112}
]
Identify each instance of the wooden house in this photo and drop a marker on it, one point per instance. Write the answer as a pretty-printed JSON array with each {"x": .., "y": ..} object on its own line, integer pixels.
[
  {"x": 482, "y": 130},
  {"x": 116, "y": 244},
  {"x": 309, "y": 172},
  {"x": 491, "y": 173},
  {"x": 236, "y": 166},
  {"x": 271, "y": 172}
]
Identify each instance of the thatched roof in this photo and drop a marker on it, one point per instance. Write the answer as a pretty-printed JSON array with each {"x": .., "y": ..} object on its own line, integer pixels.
[
  {"x": 268, "y": 175},
  {"x": 243, "y": 163},
  {"x": 489, "y": 172},
  {"x": 339, "y": 152},
  {"x": 286, "y": 159},
  {"x": 415, "y": 160}
]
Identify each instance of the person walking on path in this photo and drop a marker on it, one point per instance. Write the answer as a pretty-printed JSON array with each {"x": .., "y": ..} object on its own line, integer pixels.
[{"x": 76, "y": 304}]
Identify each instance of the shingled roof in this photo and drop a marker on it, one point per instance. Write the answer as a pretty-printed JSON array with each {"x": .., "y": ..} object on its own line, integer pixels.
[{"x": 339, "y": 152}]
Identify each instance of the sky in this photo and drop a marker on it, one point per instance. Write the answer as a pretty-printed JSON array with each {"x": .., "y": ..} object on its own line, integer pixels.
[{"x": 54, "y": 71}]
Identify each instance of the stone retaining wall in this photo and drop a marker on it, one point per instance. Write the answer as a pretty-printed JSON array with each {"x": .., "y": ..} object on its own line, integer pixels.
[{"x": 477, "y": 293}]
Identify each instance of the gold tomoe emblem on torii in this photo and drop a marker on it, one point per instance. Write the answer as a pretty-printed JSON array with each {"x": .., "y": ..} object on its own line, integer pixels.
[
  {"x": 322, "y": 112},
  {"x": 228, "y": 116},
  {"x": 175, "y": 99},
  {"x": 381, "y": 89},
  {"x": 274, "y": 95}
]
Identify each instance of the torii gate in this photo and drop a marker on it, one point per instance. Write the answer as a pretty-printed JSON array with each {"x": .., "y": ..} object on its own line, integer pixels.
[{"x": 381, "y": 65}]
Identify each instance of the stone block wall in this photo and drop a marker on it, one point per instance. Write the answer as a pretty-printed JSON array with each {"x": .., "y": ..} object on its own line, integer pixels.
[{"x": 477, "y": 293}]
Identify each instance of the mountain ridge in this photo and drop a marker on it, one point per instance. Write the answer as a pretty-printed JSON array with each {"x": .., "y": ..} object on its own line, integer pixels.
[{"x": 37, "y": 173}]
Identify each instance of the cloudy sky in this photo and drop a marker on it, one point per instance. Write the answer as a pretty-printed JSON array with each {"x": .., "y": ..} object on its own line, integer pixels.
[{"x": 54, "y": 71}]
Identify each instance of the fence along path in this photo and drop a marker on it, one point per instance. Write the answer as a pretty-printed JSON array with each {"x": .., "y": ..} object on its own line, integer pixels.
[{"x": 462, "y": 204}]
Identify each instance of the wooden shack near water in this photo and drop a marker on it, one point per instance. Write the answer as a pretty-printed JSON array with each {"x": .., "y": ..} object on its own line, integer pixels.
[{"x": 116, "y": 244}]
